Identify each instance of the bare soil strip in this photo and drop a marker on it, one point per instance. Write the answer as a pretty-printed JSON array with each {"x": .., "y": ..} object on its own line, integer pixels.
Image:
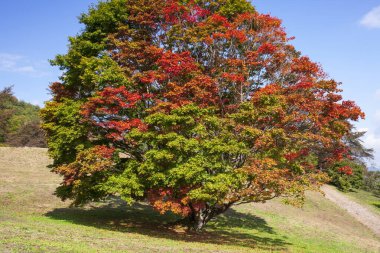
[{"x": 358, "y": 211}]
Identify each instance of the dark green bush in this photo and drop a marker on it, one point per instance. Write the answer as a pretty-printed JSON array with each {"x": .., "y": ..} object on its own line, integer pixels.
[
  {"x": 372, "y": 182},
  {"x": 347, "y": 175}
]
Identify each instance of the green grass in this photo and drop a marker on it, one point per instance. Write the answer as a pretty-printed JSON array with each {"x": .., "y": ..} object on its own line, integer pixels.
[
  {"x": 33, "y": 220},
  {"x": 365, "y": 198}
]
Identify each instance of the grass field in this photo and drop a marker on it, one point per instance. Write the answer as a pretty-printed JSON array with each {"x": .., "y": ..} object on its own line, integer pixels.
[
  {"x": 33, "y": 220},
  {"x": 365, "y": 198}
]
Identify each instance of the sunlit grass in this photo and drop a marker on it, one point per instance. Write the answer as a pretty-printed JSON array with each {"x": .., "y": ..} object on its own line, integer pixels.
[
  {"x": 33, "y": 220},
  {"x": 365, "y": 198}
]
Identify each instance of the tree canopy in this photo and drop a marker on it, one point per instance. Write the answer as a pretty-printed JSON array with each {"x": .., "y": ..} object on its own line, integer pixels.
[{"x": 192, "y": 106}]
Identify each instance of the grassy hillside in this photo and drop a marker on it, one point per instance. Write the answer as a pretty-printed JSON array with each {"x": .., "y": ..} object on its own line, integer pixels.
[
  {"x": 33, "y": 220},
  {"x": 365, "y": 198}
]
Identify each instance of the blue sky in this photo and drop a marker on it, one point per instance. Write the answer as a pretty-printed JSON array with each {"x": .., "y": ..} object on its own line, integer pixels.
[{"x": 342, "y": 35}]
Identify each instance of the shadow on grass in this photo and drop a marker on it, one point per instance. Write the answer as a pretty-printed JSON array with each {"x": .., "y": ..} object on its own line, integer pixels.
[
  {"x": 376, "y": 205},
  {"x": 227, "y": 229}
]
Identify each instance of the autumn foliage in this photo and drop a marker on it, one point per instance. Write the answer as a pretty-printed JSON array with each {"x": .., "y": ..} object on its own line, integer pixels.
[{"x": 192, "y": 106}]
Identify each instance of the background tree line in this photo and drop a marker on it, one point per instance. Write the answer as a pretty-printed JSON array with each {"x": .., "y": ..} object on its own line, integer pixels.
[
  {"x": 358, "y": 175},
  {"x": 19, "y": 122}
]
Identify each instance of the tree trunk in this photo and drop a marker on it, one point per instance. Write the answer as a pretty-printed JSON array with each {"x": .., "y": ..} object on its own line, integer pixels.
[{"x": 198, "y": 219}]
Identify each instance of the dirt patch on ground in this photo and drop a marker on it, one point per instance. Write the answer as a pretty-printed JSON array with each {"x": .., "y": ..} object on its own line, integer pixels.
[{"x": 358, "y": 211}]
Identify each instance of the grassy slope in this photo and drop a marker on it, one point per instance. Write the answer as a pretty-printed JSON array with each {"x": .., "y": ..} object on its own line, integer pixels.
[
  {"x": 365, "y": 198},
  {"x": 33, "y": 220}
]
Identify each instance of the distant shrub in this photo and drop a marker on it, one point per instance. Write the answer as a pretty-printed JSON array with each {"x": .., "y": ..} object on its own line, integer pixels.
[
  {"x": 372, "y": 182},
  {"x": 28, "y": 135},
  {"x": 19, "y": 122},
  {"x": 6, "y": 111},
  {"x": 347, "y": 175}
]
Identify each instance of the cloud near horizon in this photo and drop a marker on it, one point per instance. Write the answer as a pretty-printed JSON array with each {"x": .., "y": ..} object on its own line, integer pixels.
[
  {"x": 377, "y": 93},
  {"x": 372, "y": 18},
  {"x": 372, "y": 140},
  {"x": 18, "y": 64}
]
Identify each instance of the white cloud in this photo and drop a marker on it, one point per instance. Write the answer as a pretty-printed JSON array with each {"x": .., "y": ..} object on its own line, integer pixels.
[
  {"x": 25, "y": 69},
  {"x": 372, "y": 140},
  {"x": 37, "y": 102},
  {"x": 372, "y": 137},
  {"x": 377, "y": 93},
  {"x": 372, "y": 18},
  {"x": 18, "y": 64},
  {"x": 377, "y": 116},
  {"x": 8, "y": 61}
]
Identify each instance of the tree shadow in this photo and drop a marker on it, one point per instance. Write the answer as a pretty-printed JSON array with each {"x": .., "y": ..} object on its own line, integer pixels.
[
  {"x": 140, "y": 218},
  {"x": 234, "y": 219}
]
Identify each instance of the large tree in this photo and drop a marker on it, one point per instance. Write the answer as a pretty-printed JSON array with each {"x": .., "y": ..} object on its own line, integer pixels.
[{"x": 192, "y": 106}]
